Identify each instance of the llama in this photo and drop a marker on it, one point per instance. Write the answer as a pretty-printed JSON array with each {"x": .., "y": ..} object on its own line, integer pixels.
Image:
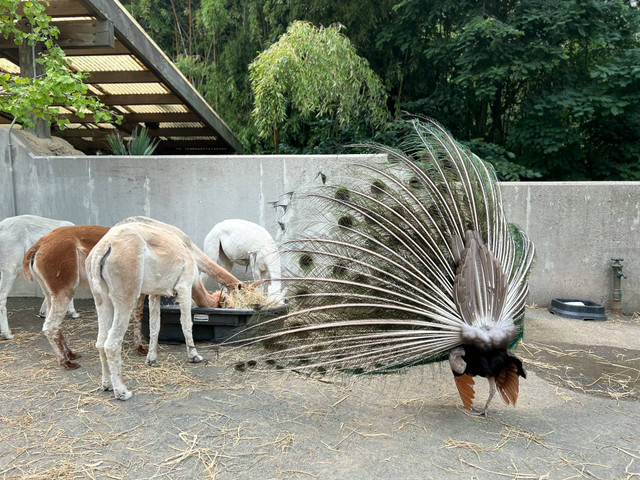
[
  {"x": 134, "y": 259},
  {"x": 17, "y": 234},
  {"x": 56, "y": 261},
  {"x": 241, "y": 242},
  {"x": 203, "y": 262}
]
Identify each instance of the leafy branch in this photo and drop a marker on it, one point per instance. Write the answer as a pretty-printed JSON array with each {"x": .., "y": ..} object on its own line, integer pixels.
[{"x": 40, "y": 97}]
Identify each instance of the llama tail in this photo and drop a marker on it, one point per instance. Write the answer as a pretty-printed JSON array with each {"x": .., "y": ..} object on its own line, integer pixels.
[
  {"x": 27, "y": 261},
  {"x": 95, "y": 261}
]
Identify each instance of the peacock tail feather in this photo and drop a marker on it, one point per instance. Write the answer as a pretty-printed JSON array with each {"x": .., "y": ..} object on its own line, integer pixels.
[{"x": 397, "y": 260}]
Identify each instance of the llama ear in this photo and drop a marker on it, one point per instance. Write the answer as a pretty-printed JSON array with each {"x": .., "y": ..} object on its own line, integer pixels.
[{"x": 255, "y": 284}]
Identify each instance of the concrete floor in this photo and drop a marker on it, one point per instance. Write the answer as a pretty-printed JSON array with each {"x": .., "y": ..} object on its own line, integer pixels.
[{"x": 578, "y": 414}]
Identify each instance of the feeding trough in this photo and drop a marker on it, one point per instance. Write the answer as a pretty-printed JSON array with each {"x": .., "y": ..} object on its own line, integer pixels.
[
  {"x": 577, "y": 309},
  {"x": 209, "y": 324}
]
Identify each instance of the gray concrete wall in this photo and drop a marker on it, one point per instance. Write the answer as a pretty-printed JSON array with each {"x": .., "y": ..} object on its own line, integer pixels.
[{"x": 577, "y": 227}]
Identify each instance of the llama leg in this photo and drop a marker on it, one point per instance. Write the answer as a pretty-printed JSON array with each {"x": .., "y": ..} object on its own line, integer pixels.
[
  {"x": 46, "y": 305},
  {"x": 113, "y": 349},
  {"x": 67, "y": 352},
  {"x": 136, "y": 321},
  {"x": 71, "y": 309},
  {"x": 7, "y": 278},
  {"x": 187, "y": 326},
  {"x": 43, "y": 308},
  {"x": 105, "y": 319},
  {"x": 154, "y": 329},
  {"x": 51, "y": 329}
]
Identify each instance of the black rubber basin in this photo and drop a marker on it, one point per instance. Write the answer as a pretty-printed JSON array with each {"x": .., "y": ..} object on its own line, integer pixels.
[
  {"x": 209, "y": 324},
  {"x": 577, "y": 309}
]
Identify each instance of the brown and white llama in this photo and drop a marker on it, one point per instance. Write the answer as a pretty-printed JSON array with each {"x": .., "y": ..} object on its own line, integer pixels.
[
  {"x": 17, "y": 234},
  {"x": 133, "y": 259},
  {"x": 56, "y": 261}
]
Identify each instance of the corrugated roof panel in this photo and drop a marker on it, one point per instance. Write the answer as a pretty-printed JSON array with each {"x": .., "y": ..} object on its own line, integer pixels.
[
  {"x": 132, "y": 88},
  {"x": 181, "y": 125},
  {"x": 8, "y": 66},
  {"x": 106, "y": 63},
  {"x": 209, "y": 137},
  {"x": 158, "y": 109}
]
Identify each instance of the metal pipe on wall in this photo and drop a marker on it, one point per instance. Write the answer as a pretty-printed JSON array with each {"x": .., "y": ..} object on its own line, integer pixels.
[{"x": 11, "y": 173}]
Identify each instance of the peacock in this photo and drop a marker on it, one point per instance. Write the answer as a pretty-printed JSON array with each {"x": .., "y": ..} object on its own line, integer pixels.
[{"x": 403, "y": 259}]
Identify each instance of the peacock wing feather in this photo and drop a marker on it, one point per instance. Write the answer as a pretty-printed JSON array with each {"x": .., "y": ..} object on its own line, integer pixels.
[
  {"x": 465, "y": 384},
  {"x": 508, "y": 384}
]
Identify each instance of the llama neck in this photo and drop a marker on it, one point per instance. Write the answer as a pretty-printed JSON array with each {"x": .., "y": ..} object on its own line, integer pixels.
[
  {"x": 202, "y": 297},
  {"x": 211, "y": 268}
]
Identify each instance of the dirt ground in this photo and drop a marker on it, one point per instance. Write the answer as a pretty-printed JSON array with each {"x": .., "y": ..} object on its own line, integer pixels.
[{"x": 578, "y": 415}]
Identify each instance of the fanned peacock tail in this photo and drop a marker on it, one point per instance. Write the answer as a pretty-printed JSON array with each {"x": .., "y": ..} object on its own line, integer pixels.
[{"x": 398, "y": 260}]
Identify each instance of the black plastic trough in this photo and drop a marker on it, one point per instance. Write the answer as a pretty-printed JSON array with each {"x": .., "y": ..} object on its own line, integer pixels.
[
  {"x": 209, "y": 324},
  {"x": 577, "y": 309}
]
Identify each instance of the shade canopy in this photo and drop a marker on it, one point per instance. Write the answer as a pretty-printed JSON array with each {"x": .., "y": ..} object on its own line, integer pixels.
[{"x": 131, "y": 75}]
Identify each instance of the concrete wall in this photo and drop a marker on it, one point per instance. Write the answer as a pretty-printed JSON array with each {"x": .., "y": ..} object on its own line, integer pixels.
[{"x": 577, "y": 227}]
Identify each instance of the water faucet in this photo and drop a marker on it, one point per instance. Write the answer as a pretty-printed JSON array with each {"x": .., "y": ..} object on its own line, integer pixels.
[
  {"x": 616, "y": 294},
  {"x": 617, "y": 267}
]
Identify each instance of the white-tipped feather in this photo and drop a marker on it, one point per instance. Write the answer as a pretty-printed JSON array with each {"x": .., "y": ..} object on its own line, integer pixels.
[{"x": 398, "y": 261}]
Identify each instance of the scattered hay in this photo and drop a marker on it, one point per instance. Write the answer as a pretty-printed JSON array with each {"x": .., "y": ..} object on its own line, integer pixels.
[
  {"x": 603, "y": 371},
  {"x": 170, "y": 378},
  {"x": 65, "y": 470}
]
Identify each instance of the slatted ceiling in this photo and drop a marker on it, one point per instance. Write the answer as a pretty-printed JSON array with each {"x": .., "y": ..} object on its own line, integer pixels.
[
  {"x": 157, "y": 109},
  {"x": 152, "y": 91},
  {"x": 106, "y": 63},
  {"x": 211, "y": 137},
  {"x": 8, "y": 66},
  {"x": 181, "y": 125},
  {"x": 132, "y": 88}
]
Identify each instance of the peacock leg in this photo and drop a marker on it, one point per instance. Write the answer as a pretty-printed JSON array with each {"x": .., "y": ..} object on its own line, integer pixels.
[{"x": 492, "y": 391}]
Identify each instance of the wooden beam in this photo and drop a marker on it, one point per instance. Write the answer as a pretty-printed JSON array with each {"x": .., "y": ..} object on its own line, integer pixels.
[
  {"x": 140, "y": 99},
  {"x": 136, "y": 76},
  {"x": 62, "y": 8},
  {"x": 77, "y": 34},
  {"x": 141, "y": 45},
  {"x": 182, "y": 132},
  {"x": 29, "y": 68},
  {"x": 154, "y": 132},
  {"x": 85, "y": 33},
  {"x": 140, "y": 117},
  {"x": 118, "y": 49},
  {"x": 183, "y": 144}
]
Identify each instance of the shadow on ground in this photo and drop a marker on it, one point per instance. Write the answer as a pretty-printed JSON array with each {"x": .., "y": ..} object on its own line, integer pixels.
[{"x": 577, "y": 416}]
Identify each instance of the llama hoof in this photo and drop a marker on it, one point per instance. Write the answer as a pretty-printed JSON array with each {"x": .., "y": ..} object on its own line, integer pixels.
[
  {"x": 69, "y": 365},
  {"x": 122, "y": 394},
  {"x": 151, "y": 362},
  {"x": 7, "y": 336},
  {"x": 73, "y": 355},
  {"x": 196, "y": 359},
  {"x": 142, "y": 350},
  {"x": 107, "y": 387},
  {"x": 75, "y": 315}
]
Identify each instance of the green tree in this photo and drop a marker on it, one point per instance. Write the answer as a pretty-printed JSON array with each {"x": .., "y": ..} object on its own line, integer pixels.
[
  {"x": 316, "y": 73},
  {"x": 26, "y": 98},
  {"x": 554, "y": 83}
]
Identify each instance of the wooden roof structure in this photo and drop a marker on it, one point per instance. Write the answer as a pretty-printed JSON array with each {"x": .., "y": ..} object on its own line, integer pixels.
[{"x": 130, "y": 74}]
